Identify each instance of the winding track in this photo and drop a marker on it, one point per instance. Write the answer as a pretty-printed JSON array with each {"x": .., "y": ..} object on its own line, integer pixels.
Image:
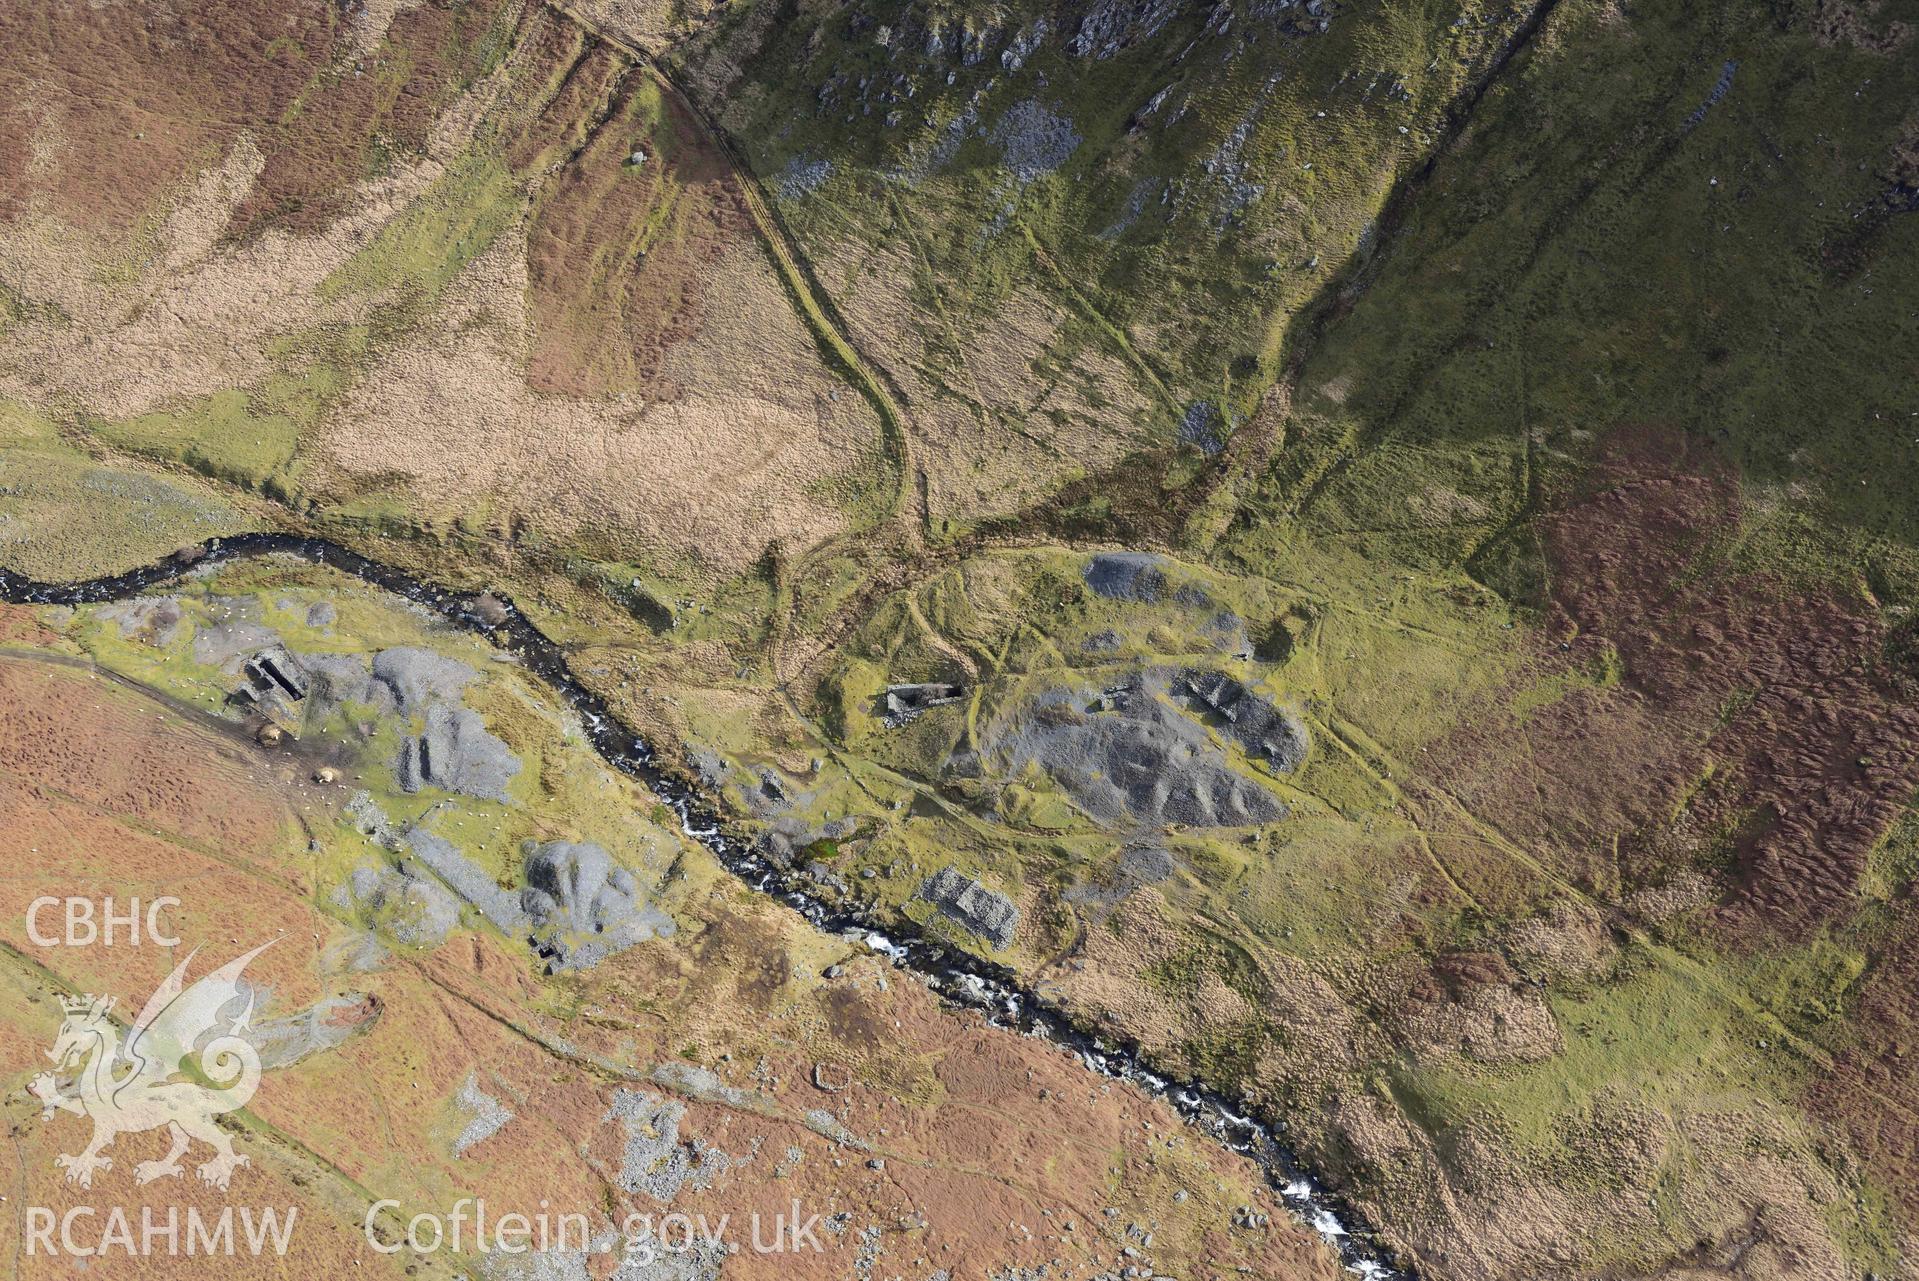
[
  {"x": 994, "y": 990},
  {"x": 813, "y": 302}
]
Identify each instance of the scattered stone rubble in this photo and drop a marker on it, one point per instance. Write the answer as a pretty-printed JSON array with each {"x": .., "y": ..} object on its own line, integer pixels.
[
  {"x": 155, "y": 620},
  {"x": 986, "y": 913},
  {"x": 900, "y": 704},
  {"x": 787, "y": 835},
  {"x": 653, "y": 1159},
  {"x": 1721, "y": 87},
  {"x": 1262, "y": 730},
  {"x": 1139, "y": 577},
  {"x": 1033, "y": 140},
  {"x": 582, "y": 907},
  {"x": 802, "y": 176},
  {"x": 1140, "y": 751},
  {"x": 1203, "y": 428},
  {"x": 577, "y": 906},
  {"x": 449, "y": 745},
  {"x": 286, "y": 1040},
  {"x": 413, "y": 679},
  {"x": 406, "y": 906},
  {"x": 456, "y": 752},
  {"x": 434, "y": 854},
  {"x": 485, "y": 1115},
  {"x": 224, "y": 643},
  {"x": 1138, "y": 865}
]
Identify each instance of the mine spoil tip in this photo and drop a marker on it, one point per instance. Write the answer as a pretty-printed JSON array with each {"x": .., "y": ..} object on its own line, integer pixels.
[{"x": 992, "y": 989}]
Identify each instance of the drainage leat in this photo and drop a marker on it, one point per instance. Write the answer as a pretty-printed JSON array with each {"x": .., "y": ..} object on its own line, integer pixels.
[{"x": 992, "y": 990}]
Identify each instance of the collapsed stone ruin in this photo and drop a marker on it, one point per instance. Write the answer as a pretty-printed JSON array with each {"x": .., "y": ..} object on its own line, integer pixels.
[
  {"x": 964, "y": 900},
  {"x": 1263, "y": 731},
  {"x": 900, "y": 704},
  {"x": 274, "y": 684},
  {"x": 1142, "y": 751}
]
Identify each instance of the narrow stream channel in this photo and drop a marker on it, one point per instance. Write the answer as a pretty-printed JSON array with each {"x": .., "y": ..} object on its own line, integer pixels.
[{"x": 993, "y": 990}]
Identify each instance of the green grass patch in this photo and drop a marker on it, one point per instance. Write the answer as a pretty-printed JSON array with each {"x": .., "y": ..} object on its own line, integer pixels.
[
  {"x": 419, "y": 253},
  {"x": 243, "y": 438},
  {"x": 65, "y": 516},
  {"x": 1656, "y": 1034}
]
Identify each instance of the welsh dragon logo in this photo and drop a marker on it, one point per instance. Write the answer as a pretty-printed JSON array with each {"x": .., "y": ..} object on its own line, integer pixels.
[{"x": 182, "y": 1032}]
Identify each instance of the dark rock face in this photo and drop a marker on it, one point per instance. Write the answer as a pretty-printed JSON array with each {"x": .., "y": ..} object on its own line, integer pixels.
[{"x": 990, "y": 915}]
